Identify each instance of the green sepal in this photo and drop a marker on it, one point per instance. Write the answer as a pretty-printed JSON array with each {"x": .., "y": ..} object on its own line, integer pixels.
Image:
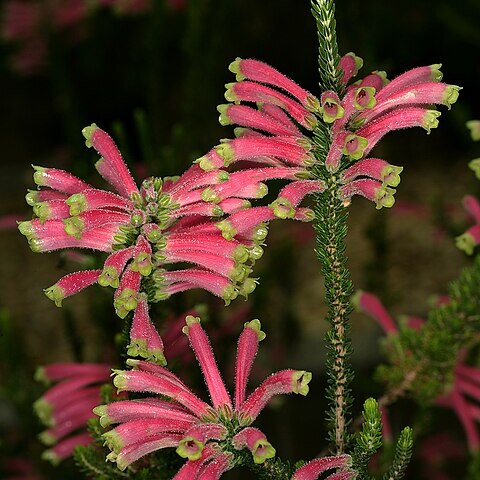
[
  {"x": 88, "y": 132},
  {"x": 74, "y": 226}
]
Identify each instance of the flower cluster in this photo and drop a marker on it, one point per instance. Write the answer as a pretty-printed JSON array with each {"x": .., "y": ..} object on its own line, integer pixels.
[
  {"x": 208, "y": 436},
  {"x": 370, "y": 108},
  {"x": 176, "y": 220},
  {"x": 466, "y": 379},
  {"x": 66, "y": 407}
]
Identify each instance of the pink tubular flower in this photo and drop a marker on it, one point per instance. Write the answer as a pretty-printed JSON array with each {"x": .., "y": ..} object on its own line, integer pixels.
[
  {"x": 313, "y": 469},
  {"x": 199, "y": 431},
  {"x": 203, "y": 218},
  {"x": 466, "y": 382},
  {"x": 66, "y": 407},
  {"x": 371, "y": 108}
]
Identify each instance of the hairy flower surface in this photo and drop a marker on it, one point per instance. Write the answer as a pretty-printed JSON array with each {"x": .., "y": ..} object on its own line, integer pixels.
[
  {"x": 208, "y": 435},
  {"x": 200, "y": 218},
  {"x": 313, "y": 469},
  {"x": 369, "y": 109},
  {"x": 66, "y": 407},
  {"x": 278, "y": 130}
]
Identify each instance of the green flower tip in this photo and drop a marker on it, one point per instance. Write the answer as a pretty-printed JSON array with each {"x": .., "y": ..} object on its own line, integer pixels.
[
  {"x": 365, "y": 98},
  {"x": 74, "y": 226},
  {"x": 256, "y": 252},
  {"x": 88, "y": 132},
  {"x": 248, "y": 286},
  {"x": 77, "y": 203},
  {"x": 466, "y": 242},
  {"x": 227, "y": 229},
  {"x": 56, "y": 294},
  {"x": 262, "y": 450},
  {"x": 384, "y": 197},
  {"x": 142, "y": 263},
  {"x": 113, "y": 440},
  {"x": 300, "y": 381},
  {"x": 234, "y": 67},
  {"x": 191, "y": 320},
  {"x": 25, "y": 228},
  {"x": 125, "y": 302},
  {"x": 383, "y": 75},
  {"x": 241, "y": 254},
  {"x": 209, "y": 195},
  {"x": 109, "y": 277},
  {"x": 430, "y": 120},
  {"x": 47, "y": 438},
  {"x": 262, "y": 190},
  {"x": 331, "y": 110},
  {"x": 283, "y": 208},
  {"x": 229, "y": 293},
  {"x": 230, "y": 94},
  {"x": 256, "y": 326},
  {"x": 436, "y": 75},
  {"x": 190, "y": 448},
  {"x": 44, "y": 411},
  {"x": 52, "y": 457},
  {"x": 217, "y": 211},
  {"x": 39, "y": 175},
  {"x": 136, "y": 347},
  {"x": 224, "y": 119},
  {"x": 42, "y": 211},
  {"x": 32, "y": 197},
  {"x": 450, "y": 96},
  {"x": 205, "y": 163},
  {"x": 475, "y": 166},
  {"x": 260, "y": 233},
  {"x": 354, "y": 146},
  {"x": 472, "y": 125},
  {"x": 223, "y": 176},
  {"x": 120, "y": 380},
  {"x": 101, "y": 411},
  {"x": 139, "y": 348},
  {"x": 240, "y": 273},
  {"x": 226, "y": 152},
  {"x": 391, "y": 175},
  {"x": 358, "y": 62},
  {"x": 41, "y": 377}
]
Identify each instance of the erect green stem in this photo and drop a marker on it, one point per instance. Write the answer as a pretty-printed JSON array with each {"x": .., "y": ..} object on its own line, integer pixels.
[{"x": 331, "y": 227}]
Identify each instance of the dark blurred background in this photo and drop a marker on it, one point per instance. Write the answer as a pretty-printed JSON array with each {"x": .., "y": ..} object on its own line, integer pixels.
[{"x": 152, "y": 77}]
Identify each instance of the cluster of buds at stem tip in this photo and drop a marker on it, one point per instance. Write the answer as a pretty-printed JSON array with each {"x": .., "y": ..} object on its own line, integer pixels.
[
  {"x": 369, "y": 109},
  {"x": 208, "y": 436},
  {"x": 66, "y": 407},
  {"x": 204, "y": 217},
  {"x": 463, "y": 396}
]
